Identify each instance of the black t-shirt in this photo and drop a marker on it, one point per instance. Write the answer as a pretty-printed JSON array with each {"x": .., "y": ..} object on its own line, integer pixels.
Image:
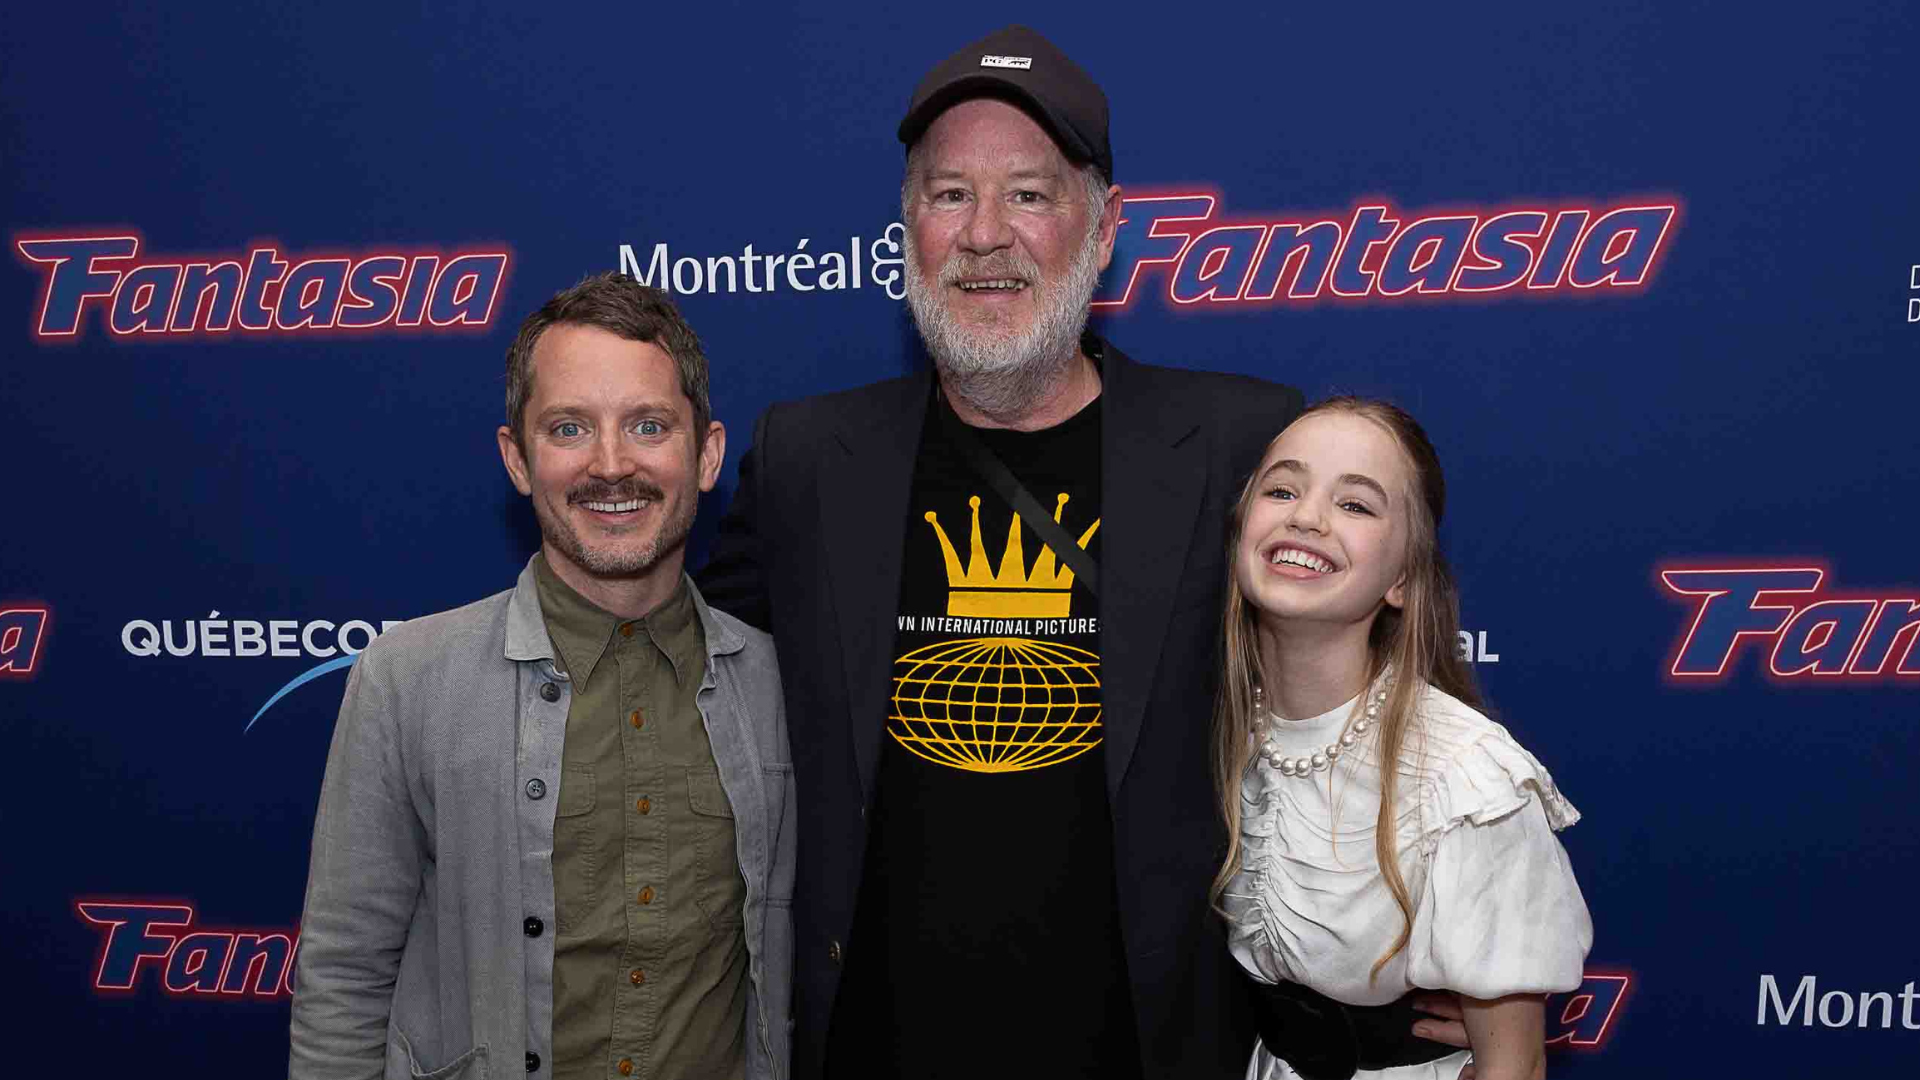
[{"x": 986, "y": 940}]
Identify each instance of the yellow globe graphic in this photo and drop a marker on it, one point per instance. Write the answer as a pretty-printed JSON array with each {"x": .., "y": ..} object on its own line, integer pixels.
[{"x": 996, "y": 704}]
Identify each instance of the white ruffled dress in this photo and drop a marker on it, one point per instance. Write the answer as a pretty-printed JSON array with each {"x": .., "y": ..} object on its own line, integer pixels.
[{"x": 1496, "y": 907}]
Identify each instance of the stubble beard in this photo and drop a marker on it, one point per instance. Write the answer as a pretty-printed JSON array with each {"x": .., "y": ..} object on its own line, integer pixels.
[
  {"x": 999, "y": 372},
  {"x": 559, "y": 533}
]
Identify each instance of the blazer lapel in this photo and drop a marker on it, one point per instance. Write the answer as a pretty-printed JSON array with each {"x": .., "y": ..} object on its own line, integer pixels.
[
  {"x": 1153, "y": 473},
  {"x": 863, "y": 507}
]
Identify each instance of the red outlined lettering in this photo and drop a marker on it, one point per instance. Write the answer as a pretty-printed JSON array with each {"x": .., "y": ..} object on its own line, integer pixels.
[
  {"x": 1609, "y": 258},
  {"x": 1375, "y": 251},
  {"x": 1711, "y": 585},
  {"x": 263, "y": 290},
  {"x": 56, "y": 253},
  {"x": 1384, "y": 219},
  {"x": 1159, "y": 228},
  {"x": 1425, "y": 250},
  {"x": 1808, "y": 631},
  {"x": 1301, "y": 244},
  {"x": 1478, "y": 265},
  {"x": 1558, "y": 250},
  {"x": 1808, "y": 638},
  {"x": 1895, "y": 620},
  {"x": 1584, "y": 1018},
  {"x": 23, "y": 633},
  {"x": 460, "y": 278},
  {"x": 192, "y": 960},
  {"x": 1218, "y": 279}
]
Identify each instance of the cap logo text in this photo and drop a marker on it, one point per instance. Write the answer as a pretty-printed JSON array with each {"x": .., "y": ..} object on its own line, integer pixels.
[{"x": 1020, "y": 62}]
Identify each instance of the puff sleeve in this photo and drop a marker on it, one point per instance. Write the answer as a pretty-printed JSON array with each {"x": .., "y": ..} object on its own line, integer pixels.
[{"x": 1500, "y": 912}]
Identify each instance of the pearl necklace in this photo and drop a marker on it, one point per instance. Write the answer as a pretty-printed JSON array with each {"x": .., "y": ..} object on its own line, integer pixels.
[{"x": 1321, "y": 760}]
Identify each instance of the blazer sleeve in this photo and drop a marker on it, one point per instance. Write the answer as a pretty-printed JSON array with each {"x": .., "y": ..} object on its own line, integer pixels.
[
  {"x": 735, "y": 576},
  {"x": 369, "y": 858}
]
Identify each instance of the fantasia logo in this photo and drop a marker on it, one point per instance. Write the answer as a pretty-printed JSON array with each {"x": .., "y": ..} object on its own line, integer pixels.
[
  {"x": 1815, "y": 634},
  {"x": 1584, "y": 1017},
  {"x": 23, "y": 628},
  {"x": 165, "y": 935},
  {"x": 258, "y": 291},
  {"x": 1373, "y": 251}
]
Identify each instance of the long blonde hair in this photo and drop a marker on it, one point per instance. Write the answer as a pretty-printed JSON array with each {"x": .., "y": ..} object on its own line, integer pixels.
[{"x": 1416, "y": 640}]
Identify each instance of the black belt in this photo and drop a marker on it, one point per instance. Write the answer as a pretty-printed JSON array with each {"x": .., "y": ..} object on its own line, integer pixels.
[{"x": 1324, "y": 1039}]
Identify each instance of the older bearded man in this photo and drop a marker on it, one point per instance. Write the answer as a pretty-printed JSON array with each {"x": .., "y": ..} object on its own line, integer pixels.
[
  {"x": 1011, "y": 832},
  {"x": 987, "y": 196}
]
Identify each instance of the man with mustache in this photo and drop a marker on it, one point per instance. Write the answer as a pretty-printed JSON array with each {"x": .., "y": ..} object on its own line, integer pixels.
[
  {"x": 556, "y": 826},
  {"x": 1001, "y": 727}
]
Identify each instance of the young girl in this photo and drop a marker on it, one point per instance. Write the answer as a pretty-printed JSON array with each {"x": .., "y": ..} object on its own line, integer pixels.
[{"x": 1385, "y": 835}]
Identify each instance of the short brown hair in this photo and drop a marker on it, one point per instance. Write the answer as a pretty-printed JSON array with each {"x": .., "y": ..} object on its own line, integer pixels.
[{"x": 614, "y": 302}]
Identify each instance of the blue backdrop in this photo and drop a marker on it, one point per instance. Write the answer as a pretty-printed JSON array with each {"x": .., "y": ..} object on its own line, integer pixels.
[{"x": 211, "y": 492}]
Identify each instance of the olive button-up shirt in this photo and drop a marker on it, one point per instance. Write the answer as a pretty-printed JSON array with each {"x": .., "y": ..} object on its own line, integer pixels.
[{"x": 650, "y": 958}]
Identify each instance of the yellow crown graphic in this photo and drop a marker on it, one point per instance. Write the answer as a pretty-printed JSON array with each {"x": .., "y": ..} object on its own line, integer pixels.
[{"x": 1011, "y": 592}]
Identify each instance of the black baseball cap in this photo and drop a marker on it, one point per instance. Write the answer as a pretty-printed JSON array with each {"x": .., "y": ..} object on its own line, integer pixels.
[{"x": 1018, "y": 65}]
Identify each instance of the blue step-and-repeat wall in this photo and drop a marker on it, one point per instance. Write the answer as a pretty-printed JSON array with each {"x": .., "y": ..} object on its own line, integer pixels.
[{"x": 1649, "y": 272}]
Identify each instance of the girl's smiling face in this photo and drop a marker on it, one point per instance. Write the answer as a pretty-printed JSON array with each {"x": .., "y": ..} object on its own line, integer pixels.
[{"x": 1324, "y": 539}]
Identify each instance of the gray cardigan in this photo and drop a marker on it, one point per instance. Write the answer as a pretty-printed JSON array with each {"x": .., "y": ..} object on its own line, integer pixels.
[{"x": 433, "y": 848}]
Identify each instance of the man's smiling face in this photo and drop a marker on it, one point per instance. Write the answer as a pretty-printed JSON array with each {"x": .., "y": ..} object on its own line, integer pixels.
[
  {"x": 1005, "y": 246},
  {"x": 608, "y": 454}
]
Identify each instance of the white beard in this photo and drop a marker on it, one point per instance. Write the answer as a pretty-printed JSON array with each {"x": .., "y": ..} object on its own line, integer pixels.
[{"x": 1001, "y": 372}]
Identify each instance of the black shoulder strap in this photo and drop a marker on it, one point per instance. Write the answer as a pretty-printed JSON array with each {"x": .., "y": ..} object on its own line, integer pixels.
[{"x": 1001, "y": 479}]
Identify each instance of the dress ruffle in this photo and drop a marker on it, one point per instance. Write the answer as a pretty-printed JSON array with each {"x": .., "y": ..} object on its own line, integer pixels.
[
  {"x": 1245, "y": 901},
  {"x": 1491, "y": 777},
  {"x": 1309, "y": 887}
]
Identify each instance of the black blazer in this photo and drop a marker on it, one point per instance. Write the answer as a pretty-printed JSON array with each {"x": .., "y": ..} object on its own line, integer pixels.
[{"x": 811, "y": 551}]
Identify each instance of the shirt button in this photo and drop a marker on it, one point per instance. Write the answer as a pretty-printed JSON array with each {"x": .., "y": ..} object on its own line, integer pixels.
[
  {"x": 550, "y": 691},
  {"x": 646, "y": 895},
  {"x": 639, "y": 718},
  {"x": 533, "y": 926},
  {"x": 536, "y": 789},
  {"x": 833, "y": 951},
  {"x": 626, "y": 629},
  {"x": 645, "y": 805},
  {"x": 626, "y": 1066},
  {"x": 533, "y": 1061},
  {"x": 636, "y": 976}
]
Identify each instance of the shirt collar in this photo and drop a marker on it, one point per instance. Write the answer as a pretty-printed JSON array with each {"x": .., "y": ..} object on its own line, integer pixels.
[
  {"x": 527, "y": 638},
  {"x": 583, "y": 633},
  {"x": 580, "y": 631},
  {"x": 675, "y": 628}
]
